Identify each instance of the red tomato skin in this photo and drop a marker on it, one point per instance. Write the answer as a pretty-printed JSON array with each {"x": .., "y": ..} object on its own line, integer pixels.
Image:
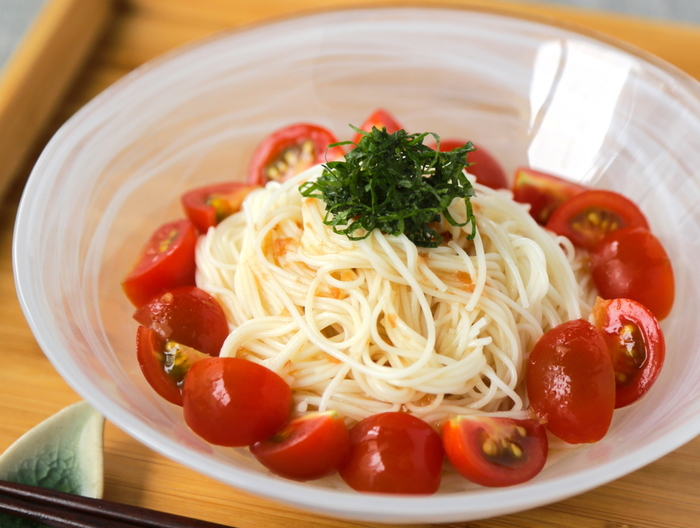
[
  {"x": 464, "y": 438},
  {"x": 290, "y": 136},
  {"x": 381, "y": 119},
  {"x": 395, "y": 453},
  {"x": 632, "y": 264},
  {"x": 150, "y": 353},
  {"x": 309, "y": 447},
  {"x": 571, "y": 382},
  {"x": 187, "y": 315},
  {"x": 484, "y": 166},
  {"x": 486, "y": 169},
  {"x": 570, "y": 218},
  {"x": 234, "y": 402},
  {"x": 166, "y": 262},
  {"x": 149, "y": 346},
  {"x": 544, "y": 192},
  {"x": 612, "y": 318},
  {"x": 199, "y": 210}
]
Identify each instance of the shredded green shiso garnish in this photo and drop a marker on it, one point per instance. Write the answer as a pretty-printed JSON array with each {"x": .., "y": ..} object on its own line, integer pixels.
[{"x": 394, "y": 183}]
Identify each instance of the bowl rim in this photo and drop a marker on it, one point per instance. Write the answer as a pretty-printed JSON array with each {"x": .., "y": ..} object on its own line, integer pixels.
[
  {"x": 338, "y": 503},
  {"x": 512, "y": 12}
]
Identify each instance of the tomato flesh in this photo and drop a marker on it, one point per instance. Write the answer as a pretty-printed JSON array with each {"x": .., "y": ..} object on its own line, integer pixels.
[
  {"x": 290, "y": 151},
  {"x": 380, "y": 119},
  {"x": 588, "y": 216},
  {"x": 544, "y": 192},
  {"x": 393, "y": 452},
  {"x": 164, "y": 363},
  {"x": 234, "y": 402},
  {"x": 483, "y": 165},
  {"x": 307, "y": 448},
  {"x": 571, "y": 382},
  {"x": 494, "y": 451},
  {"x": 632, "y": 264},
  {"x": 165, "y": 262},
  {"x": 186, "y": 315},
  {"x": 636, "y": 344},
  {"x": 209, "y": 205}
]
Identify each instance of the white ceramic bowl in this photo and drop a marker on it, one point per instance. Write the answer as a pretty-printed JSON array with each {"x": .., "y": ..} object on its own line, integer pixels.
[{"x": 533, "y": 94}]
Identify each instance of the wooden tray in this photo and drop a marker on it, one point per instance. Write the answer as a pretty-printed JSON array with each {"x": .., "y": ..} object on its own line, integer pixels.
[
  {"x": 665, "y": 494},
  {"x": 39, "y": 71}
]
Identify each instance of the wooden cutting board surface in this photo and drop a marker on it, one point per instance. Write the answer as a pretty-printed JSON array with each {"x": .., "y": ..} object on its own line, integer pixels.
[{"x": 663, "y": 494}]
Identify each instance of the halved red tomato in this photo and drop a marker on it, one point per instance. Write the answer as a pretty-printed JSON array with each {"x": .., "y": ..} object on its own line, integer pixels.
[
  {"x": 290, "y": 151},
  {"x": 309, "y": 447},
  {"x": 482, "y": 164},
  {"x": 636, "y": 345},
  {"x": 207, "y": 206},
  {"x": 381, "y": 119},
  {"x": 571, "y": 382},
  {"x": 588, "y": 216},
  {"x": 186, "y": 315},
  {"x": 494, "y": 451},
  {"x": 166, "y": 262},
  {"x": 393, "y": 452},
  {"x": 164, "y": 363},
  {"x": 234, "y": 402},
  {"x": 631, "y": 263},
  {"x": 544, "y": 192}
]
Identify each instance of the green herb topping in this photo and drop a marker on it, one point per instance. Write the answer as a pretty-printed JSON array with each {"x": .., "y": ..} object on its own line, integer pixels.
[{"x": 394, "y": 183}]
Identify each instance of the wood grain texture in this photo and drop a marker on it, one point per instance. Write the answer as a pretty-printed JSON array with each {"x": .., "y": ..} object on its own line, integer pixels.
[
  {"x": 665, "y": 494},
  {"x": 40, "y": 71}
]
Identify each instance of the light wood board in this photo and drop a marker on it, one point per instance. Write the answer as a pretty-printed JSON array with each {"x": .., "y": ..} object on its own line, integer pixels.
[{"x": 663, "y": 494}]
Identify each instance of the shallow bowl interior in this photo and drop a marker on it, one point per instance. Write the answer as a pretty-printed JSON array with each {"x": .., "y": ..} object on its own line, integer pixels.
[{"x": 531, "y": 93}]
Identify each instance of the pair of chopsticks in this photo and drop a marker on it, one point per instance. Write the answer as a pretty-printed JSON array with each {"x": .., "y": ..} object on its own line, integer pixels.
[{"x": 65, "y": 510}]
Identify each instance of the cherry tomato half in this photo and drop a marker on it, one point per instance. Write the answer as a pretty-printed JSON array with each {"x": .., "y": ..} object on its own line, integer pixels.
[
  {"x": 588, "y": 216},
  {"x": 207, "y": 206},
  {"x": 381, "y": 119},
  {"x": 166, "y": 262},
  {"x": 393, "y": 452},
  {"x": 494, "y": 451},
  {"x": 164, "y": 363},
  {"x": 636, "y": 345},
  {"x": 544, "y": 192},
  {"x": 632, "y": 264},
  {"x": 186, "y": 315},
  {"x": 571, "y": 382},
  {"x": 234, "y": 402},
  {"x": 483, "y": 165},
  {"x": 309, "y": 447},
  {"x": 291, "y": 150}
]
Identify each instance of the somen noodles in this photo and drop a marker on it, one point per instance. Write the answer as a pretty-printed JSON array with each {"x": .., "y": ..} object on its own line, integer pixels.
[{"x": 379, "y": 324}]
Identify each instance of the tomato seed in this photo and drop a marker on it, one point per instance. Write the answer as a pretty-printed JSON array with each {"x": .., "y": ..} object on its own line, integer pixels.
[
  {"x": 515, "y": 449},
  {"x": 489, "y": 448}
]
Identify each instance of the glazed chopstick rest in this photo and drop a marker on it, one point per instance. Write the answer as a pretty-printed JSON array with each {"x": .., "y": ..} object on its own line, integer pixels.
[{"x": 64, "y": 453}]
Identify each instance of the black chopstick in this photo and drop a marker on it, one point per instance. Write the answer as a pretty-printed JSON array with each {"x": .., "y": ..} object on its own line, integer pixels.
[{"x": 65, "y": 510}]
